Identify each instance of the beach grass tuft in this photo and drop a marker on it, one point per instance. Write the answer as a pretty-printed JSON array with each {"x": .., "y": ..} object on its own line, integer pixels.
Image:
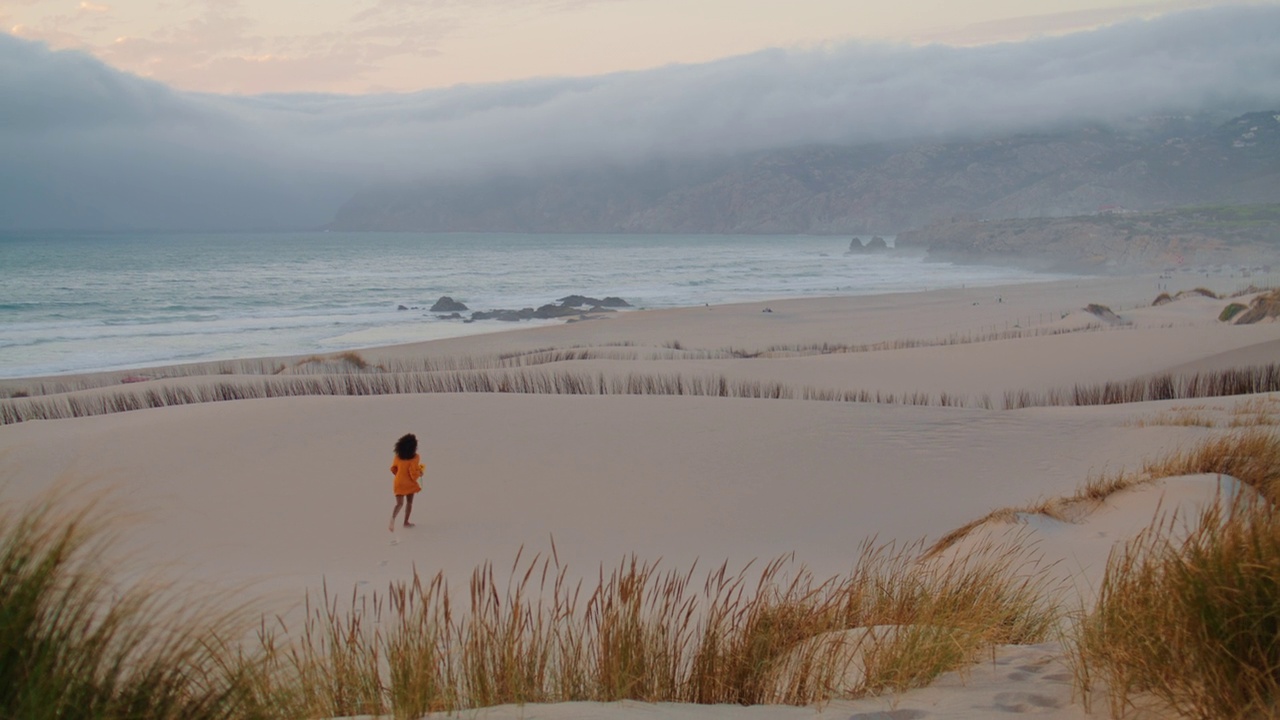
[
  {"x": 1189, "y": 628},
  {"x": 74, "y": 644},
  {"x": 1230, "y": 312},
  {"x": 1251, "y": 455},
  {"x": 1263, "y": 307}
]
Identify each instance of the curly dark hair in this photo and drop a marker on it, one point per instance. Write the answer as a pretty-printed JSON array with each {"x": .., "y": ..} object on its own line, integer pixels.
[{"x": 407, "y": 447}]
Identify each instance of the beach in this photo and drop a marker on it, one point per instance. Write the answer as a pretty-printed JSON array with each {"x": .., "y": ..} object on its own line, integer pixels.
[{"x": 690, "y": 437}]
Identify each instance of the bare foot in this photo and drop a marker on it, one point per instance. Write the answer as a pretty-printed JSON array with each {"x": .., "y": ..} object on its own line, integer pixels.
[
  {"x": 392, "y": 526},
  {"x": 409, "y": 524}
]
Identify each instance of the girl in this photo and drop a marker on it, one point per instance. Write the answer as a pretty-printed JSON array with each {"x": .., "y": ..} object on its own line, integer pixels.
[{"x": 407, "y": 468}]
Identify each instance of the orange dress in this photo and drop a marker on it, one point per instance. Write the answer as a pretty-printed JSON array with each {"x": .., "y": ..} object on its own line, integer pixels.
[{"x": 407, "y": 473}]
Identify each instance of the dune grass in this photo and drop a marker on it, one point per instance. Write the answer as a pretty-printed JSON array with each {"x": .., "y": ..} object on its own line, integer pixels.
[
  {"x": 1190, "y": 628},
  {"x": 1186, "y": 623},
  {"x": 1202, "y": 291},
  {"x": 1263, "y": 307},
  {"x": 1230, "y": 312},
  {"x": 1251, "y": 454},
  {"x": 776, "y": 636},
  {"x": 1185, "y": 628},
  {"x": 74, "y": 645}
]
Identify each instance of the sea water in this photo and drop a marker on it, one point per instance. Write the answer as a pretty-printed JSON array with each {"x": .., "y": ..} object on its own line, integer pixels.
[{"x": 75, "y": 303}]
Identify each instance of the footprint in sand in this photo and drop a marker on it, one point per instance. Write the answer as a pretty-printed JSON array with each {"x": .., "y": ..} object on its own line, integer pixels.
[{"x": 1022, "y": 702}]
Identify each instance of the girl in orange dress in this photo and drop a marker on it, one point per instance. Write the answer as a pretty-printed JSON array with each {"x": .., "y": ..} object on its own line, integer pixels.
[{"x": 407, "y": 468}]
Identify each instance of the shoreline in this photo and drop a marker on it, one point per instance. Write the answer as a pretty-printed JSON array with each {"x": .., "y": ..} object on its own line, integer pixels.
[
  {"x": 513, "y": 330},
  {"x": 135, "y": 299},
  {"x": 439, "y": 329}
]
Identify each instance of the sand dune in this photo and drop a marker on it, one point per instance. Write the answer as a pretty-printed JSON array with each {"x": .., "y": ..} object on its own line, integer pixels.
[{"x": 277, "y": 496}]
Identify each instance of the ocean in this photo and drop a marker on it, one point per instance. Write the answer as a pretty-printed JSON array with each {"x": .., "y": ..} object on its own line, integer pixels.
[{"x": 76, "y": 302}]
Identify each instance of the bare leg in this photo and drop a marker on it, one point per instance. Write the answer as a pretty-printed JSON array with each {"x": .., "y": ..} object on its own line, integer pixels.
[
  {"x": 394, "y": 513},
  {"x": 408, "y": 510}
]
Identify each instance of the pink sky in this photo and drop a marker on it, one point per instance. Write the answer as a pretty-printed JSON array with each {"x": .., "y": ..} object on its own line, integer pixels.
[{"x": 235, "y": 46}]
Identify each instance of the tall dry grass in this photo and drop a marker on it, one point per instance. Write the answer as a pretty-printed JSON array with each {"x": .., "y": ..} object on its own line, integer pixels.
[
  {"x": 1186, "y": 623},
  {"x": 778, "y": 636},
  {"x": 75, "y": 645},
  {"x": 1261, "y": 308},
  {"x": 1190, "y": 628},
  {"x": 1251, "y": 455}
]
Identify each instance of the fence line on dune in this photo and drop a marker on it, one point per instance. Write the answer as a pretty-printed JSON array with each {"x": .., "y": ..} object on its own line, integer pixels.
[{"x": 1235, "y": 381}]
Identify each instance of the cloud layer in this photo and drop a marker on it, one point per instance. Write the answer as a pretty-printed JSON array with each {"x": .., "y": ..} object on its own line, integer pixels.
[{"x": 89, "y": 146}]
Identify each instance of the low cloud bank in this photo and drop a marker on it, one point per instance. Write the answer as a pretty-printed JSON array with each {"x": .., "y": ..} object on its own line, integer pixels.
[{"x": 88, "y": 146}]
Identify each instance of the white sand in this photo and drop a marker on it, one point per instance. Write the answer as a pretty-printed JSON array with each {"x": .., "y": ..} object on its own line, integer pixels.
[{"x": 277, "y": 496}]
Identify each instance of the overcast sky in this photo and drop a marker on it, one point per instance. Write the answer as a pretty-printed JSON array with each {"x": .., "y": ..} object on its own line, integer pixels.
[
  {"x": 360, "y": 46},
  {"x": 88, "y": 145}
]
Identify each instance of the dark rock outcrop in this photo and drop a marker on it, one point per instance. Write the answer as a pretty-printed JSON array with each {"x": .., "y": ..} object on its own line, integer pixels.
[
  {"x": 573, "y": 307},
  {"x": 447, "y": 304},
  {"x": 875, "y": 244},
  {"x": 586, "y": 301},
  {"x": 543, "y": 312}
]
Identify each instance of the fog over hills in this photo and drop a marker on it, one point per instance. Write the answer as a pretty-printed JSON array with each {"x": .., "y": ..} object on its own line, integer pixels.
[
  {"x": 881, "y": 188},
  {"x": 843, "y": 138}
]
